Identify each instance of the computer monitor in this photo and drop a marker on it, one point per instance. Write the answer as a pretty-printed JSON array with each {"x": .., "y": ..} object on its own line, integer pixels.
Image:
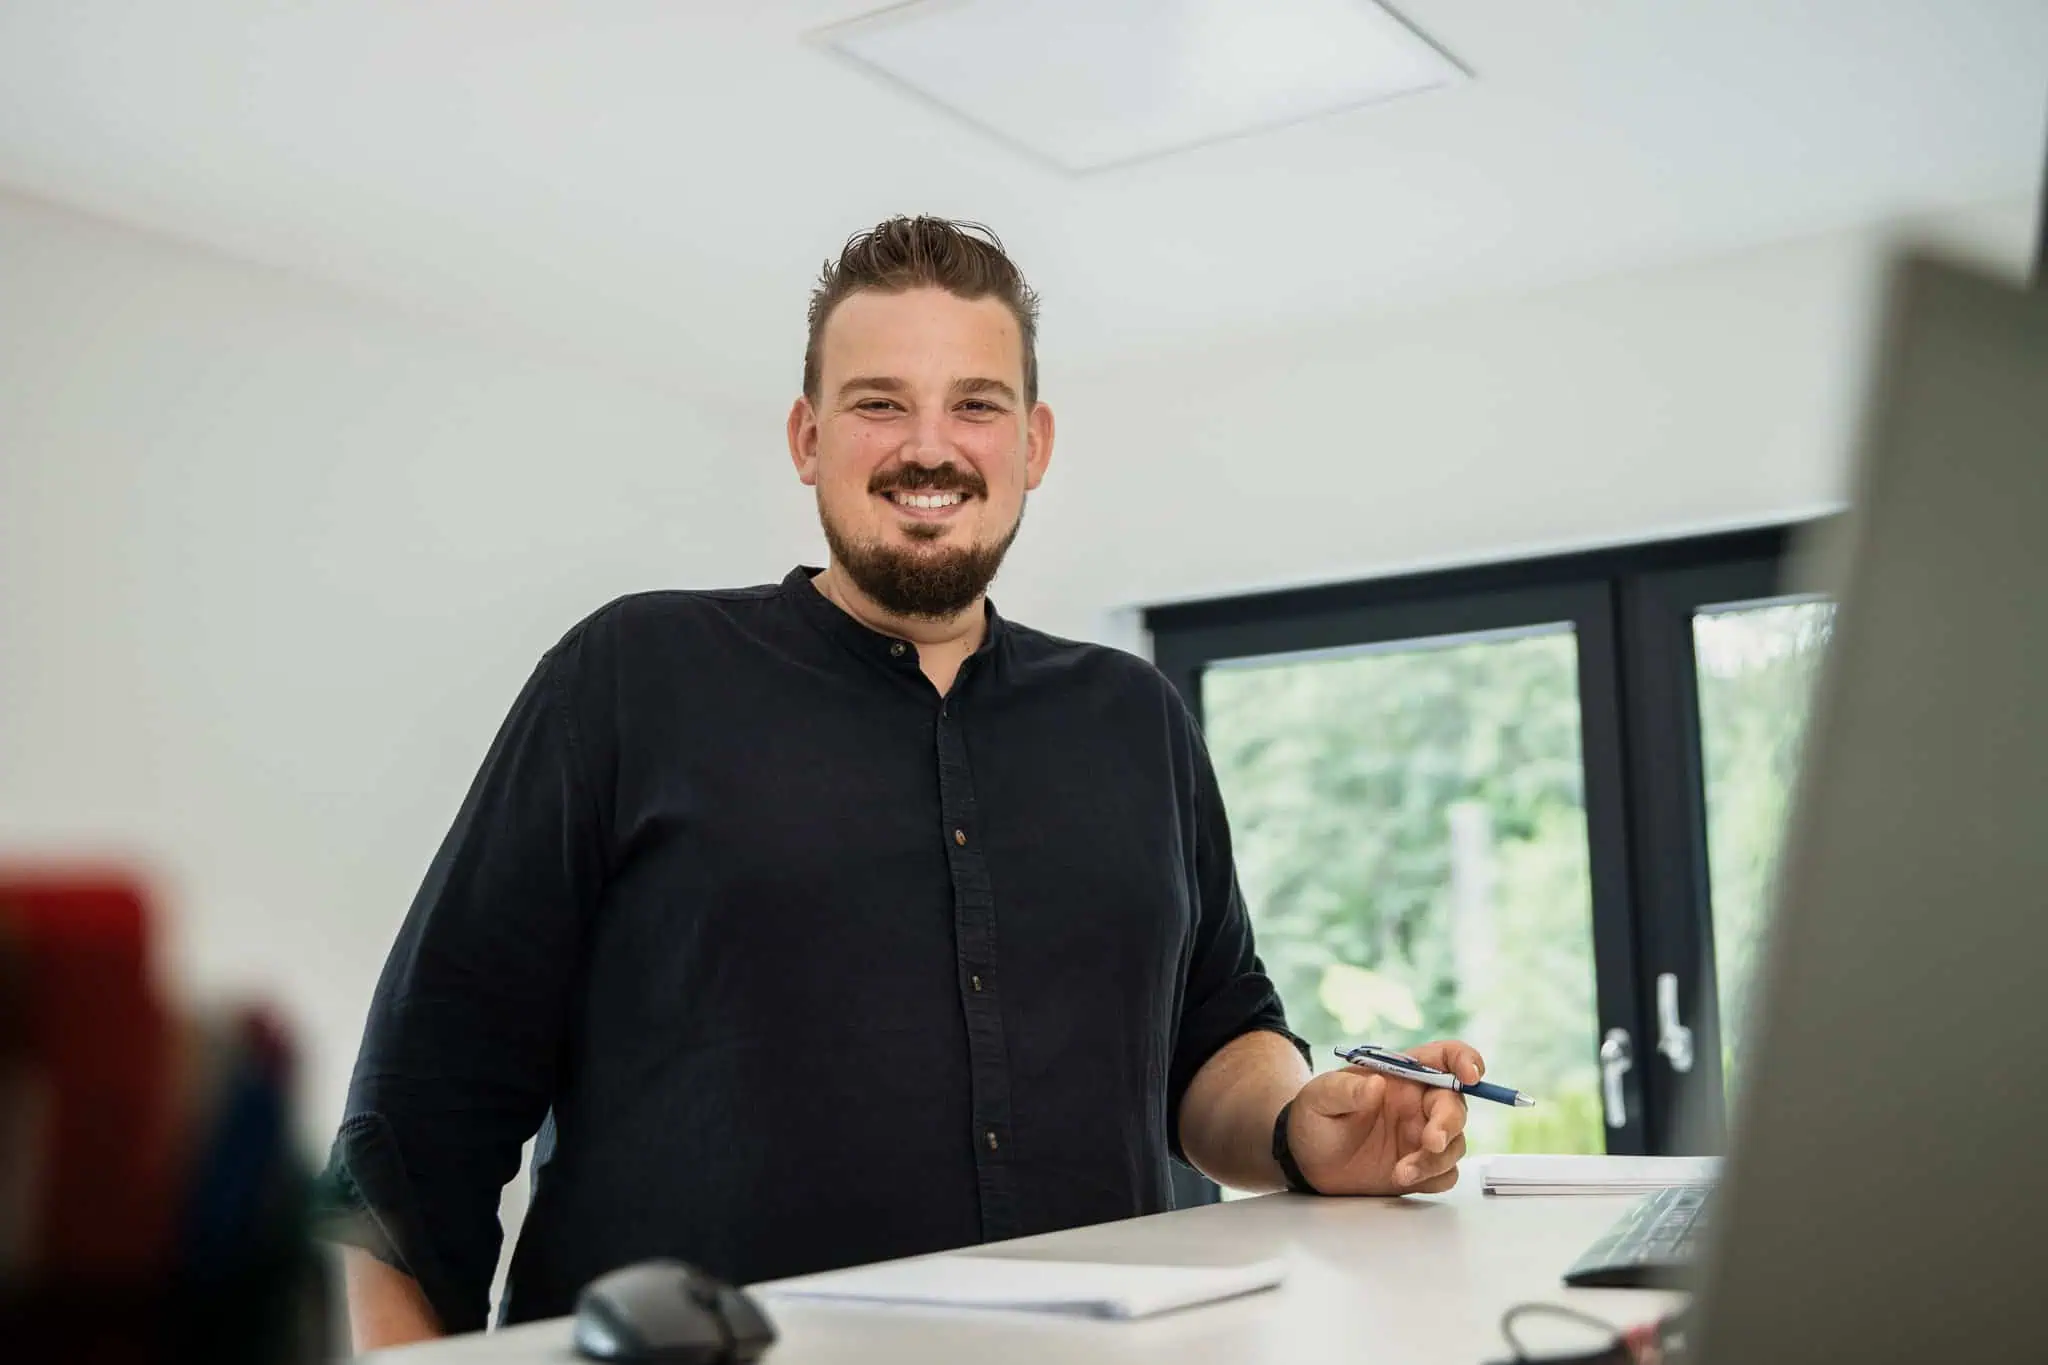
[{"x": 1886, "y": 1193}]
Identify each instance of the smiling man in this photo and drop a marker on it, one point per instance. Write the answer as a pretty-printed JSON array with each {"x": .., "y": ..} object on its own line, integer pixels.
[{"x": 840, "y": 919}]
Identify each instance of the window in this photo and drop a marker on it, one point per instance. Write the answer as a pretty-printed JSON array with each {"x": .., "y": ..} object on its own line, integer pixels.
[
  {"x": 1409, "y": 820},
  {"x": 1537, "y": 805},
  {"x": 1757, "y": 663}
]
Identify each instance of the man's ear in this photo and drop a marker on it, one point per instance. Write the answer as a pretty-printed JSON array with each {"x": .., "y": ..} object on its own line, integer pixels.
[
  {"x": 1039, "y": 434},
  {"x": 803, "y": 439}
]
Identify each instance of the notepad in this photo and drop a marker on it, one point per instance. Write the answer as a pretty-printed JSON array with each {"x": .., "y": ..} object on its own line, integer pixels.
[
  {"x": 1595, "y": 1174},
  {"x": 1076, "y": 1288}
]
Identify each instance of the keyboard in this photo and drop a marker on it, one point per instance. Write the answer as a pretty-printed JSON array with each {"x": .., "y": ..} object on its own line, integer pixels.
[{"x": 1652, "y": 1246}]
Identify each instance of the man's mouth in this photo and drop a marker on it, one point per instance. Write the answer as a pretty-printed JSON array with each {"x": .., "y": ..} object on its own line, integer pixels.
[{"x": 926, "y": 504}]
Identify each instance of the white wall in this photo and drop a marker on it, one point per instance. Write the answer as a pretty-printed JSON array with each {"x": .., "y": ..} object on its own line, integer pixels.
[
  {"x": 1714, "y": 394},
  {"x": 274, "y": 565}
]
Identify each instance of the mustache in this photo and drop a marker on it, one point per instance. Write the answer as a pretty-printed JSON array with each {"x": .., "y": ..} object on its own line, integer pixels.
[{"x": 917, "y": 478}]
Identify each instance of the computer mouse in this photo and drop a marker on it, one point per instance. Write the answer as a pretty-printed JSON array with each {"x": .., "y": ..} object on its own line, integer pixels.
[{"x": 671, "y": 1313}]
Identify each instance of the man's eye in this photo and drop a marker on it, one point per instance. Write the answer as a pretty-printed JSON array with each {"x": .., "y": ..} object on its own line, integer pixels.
[
  {"x": 976, "y": 405},
  {"x": 875, "y": 405}
]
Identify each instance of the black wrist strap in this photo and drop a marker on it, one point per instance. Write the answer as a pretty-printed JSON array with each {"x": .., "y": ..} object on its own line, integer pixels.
[{"x": 1284, "y": 1154}]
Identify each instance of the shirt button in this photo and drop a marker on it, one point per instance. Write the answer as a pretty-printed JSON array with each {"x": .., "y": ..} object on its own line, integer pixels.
[
  {"x": 896, "y": 649},
  {"x": 992, "y": 1139},
  {"x": 960, "y": 837}
]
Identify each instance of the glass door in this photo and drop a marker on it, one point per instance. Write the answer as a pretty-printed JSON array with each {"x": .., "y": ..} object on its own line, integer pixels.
[
  {"x": 1425, "y": 806},
  {"x": 1755, "y": 663},
  {"x": 1537, "y": 805},
  {"x": 1720, "y": 666},
  {"x": 1409, "y": 820}
]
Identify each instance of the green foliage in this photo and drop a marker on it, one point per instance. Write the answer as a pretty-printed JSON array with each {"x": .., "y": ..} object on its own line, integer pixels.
[
  {"x": 1340, "y": 775},
  {"x": 1343, "y": 776},
  {"x": 1756, "y": 672},
  {"x": 1568, "y": 1120}
]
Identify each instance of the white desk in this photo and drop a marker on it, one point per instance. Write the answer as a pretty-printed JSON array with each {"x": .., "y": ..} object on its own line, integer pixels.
[{"x": 1380, "y": 1282}]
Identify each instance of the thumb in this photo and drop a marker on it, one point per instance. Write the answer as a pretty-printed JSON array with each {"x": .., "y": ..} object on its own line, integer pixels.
[{"x": 1337, "y": 1093}]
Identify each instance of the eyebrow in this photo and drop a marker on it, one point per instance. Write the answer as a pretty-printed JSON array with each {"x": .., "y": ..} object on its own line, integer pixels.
[
  {"x": 961, "y": 387},
  {"x": 965, "y": 387}
]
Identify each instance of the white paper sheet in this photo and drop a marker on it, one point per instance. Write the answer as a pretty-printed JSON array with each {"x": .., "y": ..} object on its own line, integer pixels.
[
  {"x": 1595, "y": 1174},
  {"x": 1085, "y": 1288}
]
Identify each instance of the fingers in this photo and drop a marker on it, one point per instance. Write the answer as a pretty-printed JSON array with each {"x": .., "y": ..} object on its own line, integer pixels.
[
  {"x": 1443, "y": 1118},
  {"x": 1430, "y": 1165},
  {"x": 1423, "y": 1172},
  {"x": 1337, "y": 1093},
  {"x": 1460, "y": 1059},
  {"x": 1409, "y": 1136},
  {"x": 1436, "y": 1184}
]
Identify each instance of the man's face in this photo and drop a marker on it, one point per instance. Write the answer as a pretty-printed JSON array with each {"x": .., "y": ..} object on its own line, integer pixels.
[{"x": 920, "y": 445}]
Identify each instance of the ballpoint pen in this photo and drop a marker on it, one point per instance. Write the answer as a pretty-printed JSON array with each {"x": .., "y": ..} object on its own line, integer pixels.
[{"x": 1392, "y": 1063}]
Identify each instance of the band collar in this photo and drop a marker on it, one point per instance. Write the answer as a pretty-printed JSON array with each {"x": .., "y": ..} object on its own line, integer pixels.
[{"x": 889, "y": 651}]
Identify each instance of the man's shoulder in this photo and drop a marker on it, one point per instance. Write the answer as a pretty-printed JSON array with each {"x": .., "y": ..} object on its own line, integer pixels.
[
  {"x": 654, "y": 608},
  {"x": 651, "y": 626},
  {"x": 1099, "y": 666}
]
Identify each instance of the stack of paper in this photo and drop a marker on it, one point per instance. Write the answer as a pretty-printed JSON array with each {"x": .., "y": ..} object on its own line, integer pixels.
[
  {"x": 1596, "y": 1174},
  {"x": 1090, "y": 1289}
]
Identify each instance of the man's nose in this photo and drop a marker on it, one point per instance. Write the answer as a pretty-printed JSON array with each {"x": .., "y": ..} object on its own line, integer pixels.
[{"x": 927, "y": 444}]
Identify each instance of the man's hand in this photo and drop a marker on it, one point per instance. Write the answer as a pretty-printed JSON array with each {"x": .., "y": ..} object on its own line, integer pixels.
[{"x": 1358, "y": 1132}]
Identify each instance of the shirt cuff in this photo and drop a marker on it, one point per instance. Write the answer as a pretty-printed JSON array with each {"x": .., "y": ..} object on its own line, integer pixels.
[{"x": 364, "y": 1199}]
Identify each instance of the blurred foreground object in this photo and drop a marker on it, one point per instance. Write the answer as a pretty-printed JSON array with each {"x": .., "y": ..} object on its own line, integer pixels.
[
  {"x": 1884, "y": 1193},
  {"x": 151, "y": 1205}
]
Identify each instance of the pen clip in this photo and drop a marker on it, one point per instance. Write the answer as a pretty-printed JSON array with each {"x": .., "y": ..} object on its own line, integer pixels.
[{"x": 1387, "y": 1056}]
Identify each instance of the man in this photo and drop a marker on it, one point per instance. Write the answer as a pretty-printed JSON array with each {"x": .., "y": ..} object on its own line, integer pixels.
[{"x": 840, "y": 919}]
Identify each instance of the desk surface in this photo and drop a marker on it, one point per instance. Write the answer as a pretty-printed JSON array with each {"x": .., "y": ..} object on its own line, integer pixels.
[{"x": 1383, "y": 1282}]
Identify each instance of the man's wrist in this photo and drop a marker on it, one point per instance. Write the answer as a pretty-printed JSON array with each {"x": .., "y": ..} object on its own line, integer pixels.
[{"x": 1283, "y": 1154}]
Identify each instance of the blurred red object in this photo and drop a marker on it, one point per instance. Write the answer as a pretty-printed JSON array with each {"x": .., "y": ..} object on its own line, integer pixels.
[
  {"x": 88, "y": 1094},
  {"x": 152, "y": 1207}
]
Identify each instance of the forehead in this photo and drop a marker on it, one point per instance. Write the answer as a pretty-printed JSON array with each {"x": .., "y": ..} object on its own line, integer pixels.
[{"x": 920, "y": 332}]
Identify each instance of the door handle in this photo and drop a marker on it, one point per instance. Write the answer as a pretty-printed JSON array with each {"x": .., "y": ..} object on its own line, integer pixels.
[
  {"x": 1674, "y": 1039},
  {"x": 1617, "y": 1058}
]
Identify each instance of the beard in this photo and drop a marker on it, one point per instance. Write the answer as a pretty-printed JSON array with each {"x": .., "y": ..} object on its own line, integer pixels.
[{"x": 921, "y": 581}]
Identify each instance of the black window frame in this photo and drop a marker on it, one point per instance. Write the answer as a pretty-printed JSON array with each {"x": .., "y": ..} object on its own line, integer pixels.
[{"x": 1631, "y": 608}]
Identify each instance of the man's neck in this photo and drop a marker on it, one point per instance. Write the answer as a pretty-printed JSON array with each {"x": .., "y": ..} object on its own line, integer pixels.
[{"x": 942, "y": 646}]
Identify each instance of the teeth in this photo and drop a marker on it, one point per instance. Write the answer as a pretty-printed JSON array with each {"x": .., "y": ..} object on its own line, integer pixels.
[{"x": 928, "y": 499}]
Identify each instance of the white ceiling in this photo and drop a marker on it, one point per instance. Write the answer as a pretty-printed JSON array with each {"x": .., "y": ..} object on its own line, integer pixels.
[
  {"x": 652, "y": 183},
  {"x": 1165, "y": 76}
]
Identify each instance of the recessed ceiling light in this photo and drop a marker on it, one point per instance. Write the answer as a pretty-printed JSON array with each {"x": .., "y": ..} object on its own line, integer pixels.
[{"x": 1088, "y": 84}]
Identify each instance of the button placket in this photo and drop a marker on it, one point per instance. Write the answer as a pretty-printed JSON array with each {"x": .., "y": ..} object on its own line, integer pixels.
[{"x": 974, "y": 926}]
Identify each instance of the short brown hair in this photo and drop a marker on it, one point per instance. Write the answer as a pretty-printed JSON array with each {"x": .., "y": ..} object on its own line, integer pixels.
[{"x": 897, "y": 254}]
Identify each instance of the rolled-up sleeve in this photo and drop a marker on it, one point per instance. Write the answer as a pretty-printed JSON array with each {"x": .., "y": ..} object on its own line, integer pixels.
[
  {"x": 463, "y": 1046},
  {"x": 1227, "y": 992}
]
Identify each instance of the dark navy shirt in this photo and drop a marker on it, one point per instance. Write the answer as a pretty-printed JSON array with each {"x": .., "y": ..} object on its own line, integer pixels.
[{"x": 794, "y": 963}]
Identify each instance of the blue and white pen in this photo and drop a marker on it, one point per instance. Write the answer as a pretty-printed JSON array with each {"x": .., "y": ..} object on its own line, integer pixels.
[{"x": 1392, "y": 1063}]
